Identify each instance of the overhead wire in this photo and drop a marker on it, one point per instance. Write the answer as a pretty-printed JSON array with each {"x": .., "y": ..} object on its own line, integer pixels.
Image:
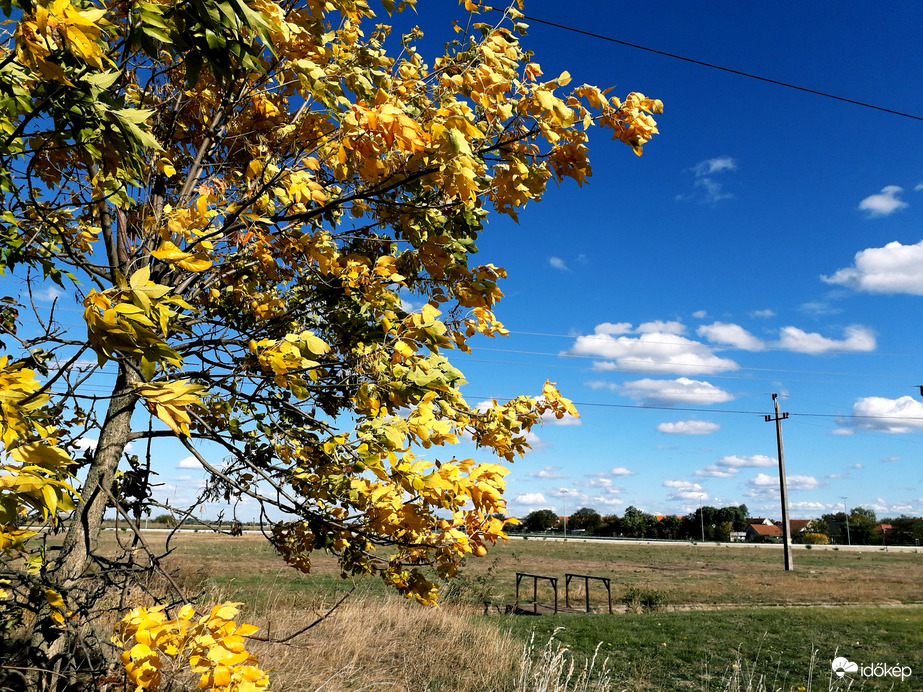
[{"x": 713, "y": 66}]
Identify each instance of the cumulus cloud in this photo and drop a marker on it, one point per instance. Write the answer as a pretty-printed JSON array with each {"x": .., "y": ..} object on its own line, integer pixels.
[
  {"x": 884, "y": 203},
  {"x": 902, "y": 415},
  {"x": 658, "y": 348},
  {"x": 856, "y": 338},
  {"x": 189, "y": 462},
  {"x": 613, "y": 328},
  {"x": 764, "y": 314},
  {"x": 549, "y": 418},
  {"x": 679, "y": 391},
  {"x": 754, "y": 461},
  {"x": 86, "y": 443},
  {"x": 688, "y": 427},
  {"x": 794, "y": 482},
  {"x": 684, "y": 490},
  {"x": 894, "y": 268},
  {"x": 729, "y": 466},
  {"x": 730, "y": 335},
  {"x": 548, "y": 472},
  {"x": 558, "y": 263},
  {"x": 662, "y": 326},
  {"x": 715, "y": 471},
  {"x": 700, "y": 314},
  {"x": 807, "y": 506},
  {"x": 530, "y": 499},
  {"x": 606, "y": 484},
  {"x": 622, "y": 471},
  {"x": 47, "y": 294}
]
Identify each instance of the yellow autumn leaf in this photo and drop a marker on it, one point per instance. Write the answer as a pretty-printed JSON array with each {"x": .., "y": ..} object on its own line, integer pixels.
[{"x": 169, "y": 401}]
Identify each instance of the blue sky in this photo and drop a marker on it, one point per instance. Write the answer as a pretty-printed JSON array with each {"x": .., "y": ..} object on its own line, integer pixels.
[{"x": 769, "y": 240}]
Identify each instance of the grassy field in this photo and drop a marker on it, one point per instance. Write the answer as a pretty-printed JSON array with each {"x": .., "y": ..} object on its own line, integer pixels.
[{"x": 732, "y": 616}]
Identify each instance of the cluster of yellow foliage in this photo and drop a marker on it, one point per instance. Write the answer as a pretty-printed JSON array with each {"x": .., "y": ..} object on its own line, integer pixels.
[
  {"x": 247, "y": 196},
  {"x": 213, "y": 647}
]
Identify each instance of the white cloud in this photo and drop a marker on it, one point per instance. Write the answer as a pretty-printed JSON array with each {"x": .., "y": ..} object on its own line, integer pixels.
[
  {"x": 795, "y": 482},
  {"x": 679, "y": 391},
  {"x": 189, "y": 462},
  {"x": 47, "y": 294},
  {"x": 883, "y": 203},
  {"x": 622, "y": 471},
  {"x": 707, "y": 189},
  {"x": 729, "y": 466},
  {"x": 856, "y": 338},
  {"x": 819, "y": 308},
  {"x": 558, "y": 263},
  {"x": 548, "y": 418},
  {"x": 613, "y": 328},
  {"x": 684, "y": 490},
  {"x": 688, "y": 495},
  {"x": 763, "y": 313},
  {"x": 688, "y": 427},
  {"x": 902, "y": 415},
  {"x": 754, "y": 461},
  {"x": 662, "y": 326},
  {"x": 671, "y": 483},
  {"x": 807, "y": 506},
  {"x": 842, "y": 431},
  {"x": 730, "y": 335},
  {"x": 85, "y": 443},
  {"x": 548, "y": 472},
  {"x": 608, "y": 501},
  {"x": 716, "y": 165},
  {"x": 715, "y": 471},
  {"x": 894, "y": 268},
  {"x": 658, "y": 349},
  {"x": 700, "y": 314},
  {"x": 531, "y": 499}
]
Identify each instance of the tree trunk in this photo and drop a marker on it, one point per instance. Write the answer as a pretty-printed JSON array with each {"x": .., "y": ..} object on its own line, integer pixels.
[{"x": 68, "y": 571}]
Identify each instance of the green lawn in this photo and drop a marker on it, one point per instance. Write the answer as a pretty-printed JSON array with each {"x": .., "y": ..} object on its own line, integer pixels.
[{"x": 692, "y": 649}]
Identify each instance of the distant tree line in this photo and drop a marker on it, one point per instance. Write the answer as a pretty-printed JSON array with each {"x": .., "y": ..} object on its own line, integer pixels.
[{"x": 717, "y": 523}]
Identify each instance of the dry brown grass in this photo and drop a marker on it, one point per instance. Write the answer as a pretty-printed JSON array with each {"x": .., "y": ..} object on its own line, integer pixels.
[{"x": 385, "y": 644}]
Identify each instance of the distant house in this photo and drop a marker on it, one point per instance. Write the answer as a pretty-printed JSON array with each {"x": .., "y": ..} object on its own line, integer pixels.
[
  {"x": 883, "y": 529},
  {"x": 757, "y": 532},
  {"x": 760, "y": 520},
  {"x": 738, "y": 536},
  {"x": 796, "y": 526}
]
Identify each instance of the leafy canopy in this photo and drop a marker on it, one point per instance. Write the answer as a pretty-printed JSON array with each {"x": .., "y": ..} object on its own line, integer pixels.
[{"x": 245, "y": 198}]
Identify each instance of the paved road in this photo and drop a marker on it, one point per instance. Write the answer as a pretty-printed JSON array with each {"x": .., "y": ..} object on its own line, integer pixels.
[{"x": 713, "y": 544}]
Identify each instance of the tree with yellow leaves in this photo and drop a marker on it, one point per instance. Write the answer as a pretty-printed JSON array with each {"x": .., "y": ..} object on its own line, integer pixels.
[{"x": 238, "y": 193}]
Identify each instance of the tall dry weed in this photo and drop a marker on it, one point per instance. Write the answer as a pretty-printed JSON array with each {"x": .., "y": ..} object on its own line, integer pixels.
[{"x": 388, "y": 645}]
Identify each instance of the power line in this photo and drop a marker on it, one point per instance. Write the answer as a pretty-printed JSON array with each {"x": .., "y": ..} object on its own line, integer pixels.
[
  {"x": 690, "y": 409},
  {"x": 702, "y": 63}
]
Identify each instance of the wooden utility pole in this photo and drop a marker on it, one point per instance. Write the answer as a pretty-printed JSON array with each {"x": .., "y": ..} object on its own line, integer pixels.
[{"x": 783, "y": 488}]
